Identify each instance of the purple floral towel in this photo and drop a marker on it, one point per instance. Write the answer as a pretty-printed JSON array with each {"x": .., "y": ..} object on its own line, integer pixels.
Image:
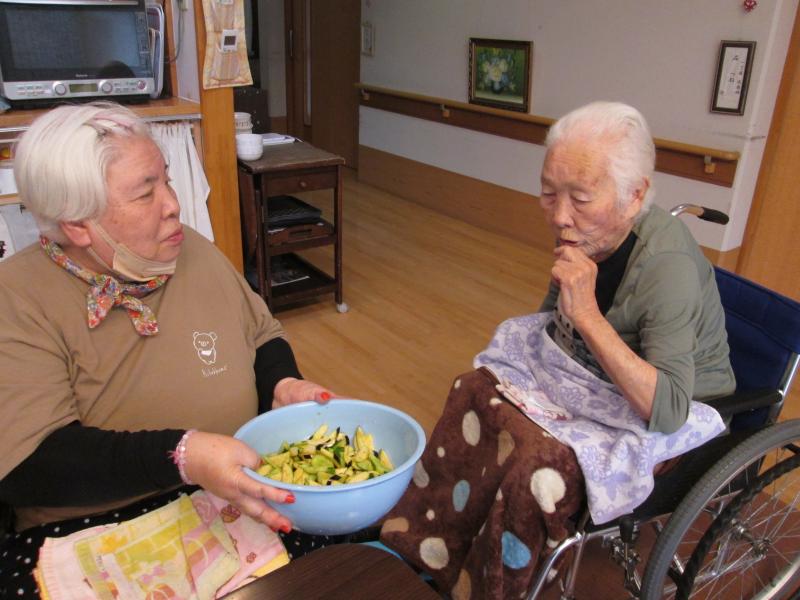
[{"x": 615, "y": 450}]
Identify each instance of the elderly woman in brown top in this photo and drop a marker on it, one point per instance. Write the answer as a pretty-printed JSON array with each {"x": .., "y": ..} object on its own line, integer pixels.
[{"x": 130, "y": 348}]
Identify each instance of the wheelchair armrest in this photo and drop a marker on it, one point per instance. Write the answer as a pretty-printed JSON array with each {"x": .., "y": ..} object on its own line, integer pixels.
[{"x": 740, "y": 402}]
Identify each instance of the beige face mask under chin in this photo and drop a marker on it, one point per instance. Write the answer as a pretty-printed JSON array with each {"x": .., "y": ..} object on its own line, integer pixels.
[{"x": 129, "y": 265}]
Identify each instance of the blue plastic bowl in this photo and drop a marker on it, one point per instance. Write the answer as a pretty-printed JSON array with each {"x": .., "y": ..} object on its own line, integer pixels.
[{"x": 334, "y": 510}]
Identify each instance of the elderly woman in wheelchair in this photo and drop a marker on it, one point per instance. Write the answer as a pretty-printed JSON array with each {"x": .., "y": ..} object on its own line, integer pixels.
[{"x": 558, "y": 431}]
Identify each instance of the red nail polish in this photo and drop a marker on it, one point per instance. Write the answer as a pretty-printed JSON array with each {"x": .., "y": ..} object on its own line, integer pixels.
[
  {"x": 289, "y": 499},
  {"x": 285, "y": 528},
  {"x": 325, "y": 396}
]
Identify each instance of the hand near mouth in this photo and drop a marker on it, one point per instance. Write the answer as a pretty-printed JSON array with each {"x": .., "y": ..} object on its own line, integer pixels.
[{"x": 576, "y": 275}]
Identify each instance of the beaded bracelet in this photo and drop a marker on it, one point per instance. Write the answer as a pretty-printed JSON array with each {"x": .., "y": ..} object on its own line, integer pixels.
[{"x": 178, "y": 456}]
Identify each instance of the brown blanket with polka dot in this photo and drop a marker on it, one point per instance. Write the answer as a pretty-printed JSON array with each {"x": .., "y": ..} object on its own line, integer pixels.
[{"x": 492, "y": 494}]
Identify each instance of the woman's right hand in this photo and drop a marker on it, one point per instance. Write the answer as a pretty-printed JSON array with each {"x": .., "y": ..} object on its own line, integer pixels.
[
  {"x": 576, "y": 276},
  {"x": 215, "y": 463}
]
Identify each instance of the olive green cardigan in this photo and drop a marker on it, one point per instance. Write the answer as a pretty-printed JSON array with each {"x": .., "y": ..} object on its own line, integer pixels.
[{"x": 667, "y": 310}]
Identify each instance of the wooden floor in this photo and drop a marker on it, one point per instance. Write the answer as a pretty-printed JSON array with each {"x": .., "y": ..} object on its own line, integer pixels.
[{"x": 425, "y": 293}]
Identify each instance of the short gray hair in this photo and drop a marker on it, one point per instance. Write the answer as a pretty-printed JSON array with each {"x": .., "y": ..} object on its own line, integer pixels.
[
  {"x": 60, "y": 162},
  {"x": 634, "y": 155}
]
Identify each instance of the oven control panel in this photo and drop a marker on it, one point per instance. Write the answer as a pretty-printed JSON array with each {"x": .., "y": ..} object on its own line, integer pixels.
[{"x": 44, "y": 90}]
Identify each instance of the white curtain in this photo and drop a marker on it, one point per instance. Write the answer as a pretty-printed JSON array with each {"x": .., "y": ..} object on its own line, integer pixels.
[{"x": 188, "y": 179}]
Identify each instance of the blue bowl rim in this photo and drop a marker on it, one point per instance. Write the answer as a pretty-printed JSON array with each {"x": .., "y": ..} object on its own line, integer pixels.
[{"x": 416, "y": 427}]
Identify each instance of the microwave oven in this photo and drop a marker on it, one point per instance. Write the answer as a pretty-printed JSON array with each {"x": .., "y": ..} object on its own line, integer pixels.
[{"x": 52, "y": 50}]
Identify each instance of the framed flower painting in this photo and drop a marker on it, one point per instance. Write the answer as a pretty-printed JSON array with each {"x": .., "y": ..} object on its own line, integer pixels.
[{"x": 500, "y": 73}]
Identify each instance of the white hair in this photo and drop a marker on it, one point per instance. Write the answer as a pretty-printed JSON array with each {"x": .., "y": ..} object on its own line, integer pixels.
[
  {"x": 633, "y": 155},
  {"x": 61, "y": 161}
]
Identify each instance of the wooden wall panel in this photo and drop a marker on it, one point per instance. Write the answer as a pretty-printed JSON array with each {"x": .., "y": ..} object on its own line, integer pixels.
[
  {"x": 294, "y": 15},
  {"x": 278, "y": 125},
  {"x": 219, "y": 156},
  {"x": 486, "y": 205},
  {"x": 335, "y": 69},
  {"x": 726, "y": 259},
  {"x": 771, "y": 247},
  {"x": 770, "y": 252}
]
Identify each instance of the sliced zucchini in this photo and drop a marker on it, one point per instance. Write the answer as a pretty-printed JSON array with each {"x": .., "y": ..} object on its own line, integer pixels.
[{"x": 326, "y": 458}]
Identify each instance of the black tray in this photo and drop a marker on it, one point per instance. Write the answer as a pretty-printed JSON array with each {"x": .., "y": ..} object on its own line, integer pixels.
[{"x": 285, "y": 211}]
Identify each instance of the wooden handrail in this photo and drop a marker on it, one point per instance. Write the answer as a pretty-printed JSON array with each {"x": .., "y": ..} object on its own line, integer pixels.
[
  {"x": 711, "y": 165},
  {"x": 8, "y": 199},
  {"x": 702, "y": 151},
  {"x": 487, "y": 110}
]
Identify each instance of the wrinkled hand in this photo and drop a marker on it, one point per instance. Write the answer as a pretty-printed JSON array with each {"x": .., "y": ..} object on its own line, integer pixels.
[
  {"x": 290, "y": 391},
  {"x": 576, "y": 275},
  {"x": 215, "y": 462}
]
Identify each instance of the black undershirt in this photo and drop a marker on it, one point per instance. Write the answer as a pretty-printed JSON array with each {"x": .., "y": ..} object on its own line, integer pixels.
[
  {"x": 609, "y": 275},
  {"x": 610, "y": 272},
  {"x": 84, "y": 466}
]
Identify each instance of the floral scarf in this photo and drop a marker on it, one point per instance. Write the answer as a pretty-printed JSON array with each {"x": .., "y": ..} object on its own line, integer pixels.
[{"x": 106, "y": 292}]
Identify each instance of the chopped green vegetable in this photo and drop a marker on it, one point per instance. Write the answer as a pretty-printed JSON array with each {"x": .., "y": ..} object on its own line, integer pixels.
[{"x": 326, "y": 459}]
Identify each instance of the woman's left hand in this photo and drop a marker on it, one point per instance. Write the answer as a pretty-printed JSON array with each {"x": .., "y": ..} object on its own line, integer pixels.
[{"x": 290, "y": 391}]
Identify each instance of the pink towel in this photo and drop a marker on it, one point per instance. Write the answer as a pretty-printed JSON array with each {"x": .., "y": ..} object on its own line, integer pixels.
[
  {"x": 58, "y": 574},
  {"x": 255, "y": 543}
]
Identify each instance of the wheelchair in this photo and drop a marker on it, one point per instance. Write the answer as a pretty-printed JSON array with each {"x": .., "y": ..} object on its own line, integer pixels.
[{"x": 727, "y": 517}]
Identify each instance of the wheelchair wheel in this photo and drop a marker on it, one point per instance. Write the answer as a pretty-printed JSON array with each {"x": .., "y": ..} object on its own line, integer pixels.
[{"x": 737, "y": 532}]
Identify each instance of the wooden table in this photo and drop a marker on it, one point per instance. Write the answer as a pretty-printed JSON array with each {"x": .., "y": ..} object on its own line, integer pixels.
[
  {"x": 287, "y": 169},
  {"x": 340, "y": 572}
]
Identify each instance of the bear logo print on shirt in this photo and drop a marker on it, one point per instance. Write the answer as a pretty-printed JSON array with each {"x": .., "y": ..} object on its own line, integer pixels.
[{"x": 204, "y": 344}]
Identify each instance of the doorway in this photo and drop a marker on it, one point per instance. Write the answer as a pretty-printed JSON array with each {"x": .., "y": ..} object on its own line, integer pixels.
[{"x": 322, "y": 68}]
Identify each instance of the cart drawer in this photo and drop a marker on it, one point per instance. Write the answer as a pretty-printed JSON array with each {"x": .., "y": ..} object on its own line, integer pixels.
[
  {"x": 297, "y": 233},
  {"x": 300, "y": 183}
]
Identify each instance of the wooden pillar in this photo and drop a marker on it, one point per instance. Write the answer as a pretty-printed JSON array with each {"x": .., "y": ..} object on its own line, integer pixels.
[
  {"x": 770, "y": 251},
  {"x": 219, "y": 155}
]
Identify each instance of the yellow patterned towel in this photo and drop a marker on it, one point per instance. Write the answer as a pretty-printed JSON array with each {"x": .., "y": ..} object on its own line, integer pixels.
[
  {"x": 60, "y": 578},
  {"x": 168, "y": 553},
  {"x": 197, "y": 547}
]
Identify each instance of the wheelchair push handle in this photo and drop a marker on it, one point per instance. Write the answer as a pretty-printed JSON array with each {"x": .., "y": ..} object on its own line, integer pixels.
[{"x": 701, "y": 212}]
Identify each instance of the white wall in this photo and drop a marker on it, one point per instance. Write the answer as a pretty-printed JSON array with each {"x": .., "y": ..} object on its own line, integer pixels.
[
  {"x": 658, "y": 56},
  {"x": 183, "y": 32}
]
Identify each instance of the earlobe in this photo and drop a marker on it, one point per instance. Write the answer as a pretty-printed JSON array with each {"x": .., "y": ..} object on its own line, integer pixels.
[
  {"x": 642, "y": 191},
  {"x": 639, "y": 195},
  {"x": 77, "y": 233}
]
